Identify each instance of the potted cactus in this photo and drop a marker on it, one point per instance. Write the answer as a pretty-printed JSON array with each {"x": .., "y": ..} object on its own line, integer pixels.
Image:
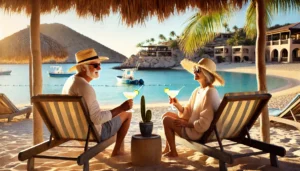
[{"x": 146, "y": 126}]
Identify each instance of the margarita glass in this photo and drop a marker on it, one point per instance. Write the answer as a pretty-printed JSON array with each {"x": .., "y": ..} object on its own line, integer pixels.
[
  {"x": 131, "y": 95},
  {"x": 172, "y": 94}
]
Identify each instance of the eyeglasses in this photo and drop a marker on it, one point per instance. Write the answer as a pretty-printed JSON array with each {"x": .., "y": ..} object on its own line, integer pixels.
[
  {"x": 197, "y": 69},
  {"x": 95, "y": 65}
]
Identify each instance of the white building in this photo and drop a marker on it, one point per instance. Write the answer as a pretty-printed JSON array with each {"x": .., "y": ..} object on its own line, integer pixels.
[
  {"x": 223, "y": 52},
  {"x": 283, "y": 44},
  {"x": 243, "y": 53}
]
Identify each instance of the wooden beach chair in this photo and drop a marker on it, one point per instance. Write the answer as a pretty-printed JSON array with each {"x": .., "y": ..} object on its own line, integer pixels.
[
  {"x": 67, "y": 118},
  {"x": 234, "y": 118},
  {"x": 9, "y": 110},
  {"x": 290, "y": 115}
]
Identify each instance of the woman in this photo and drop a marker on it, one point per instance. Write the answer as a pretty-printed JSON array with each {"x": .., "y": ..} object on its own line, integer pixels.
[{"x": 194, "y": 119}]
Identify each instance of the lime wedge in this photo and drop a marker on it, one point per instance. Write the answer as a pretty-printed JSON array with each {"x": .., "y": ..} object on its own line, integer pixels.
[
  {"x": 136, "y": 92},
  {"x": 166, "y": 90}
]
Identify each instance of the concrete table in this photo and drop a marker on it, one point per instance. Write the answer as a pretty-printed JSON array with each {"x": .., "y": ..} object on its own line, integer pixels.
[{"x": 145, "y": 151}]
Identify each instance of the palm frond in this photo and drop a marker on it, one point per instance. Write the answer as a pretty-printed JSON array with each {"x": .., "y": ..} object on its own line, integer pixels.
[
  {"x": 201, "y": 29},
  {"x": 284, "y": 6},
  {"x": 250, "y": 25}
]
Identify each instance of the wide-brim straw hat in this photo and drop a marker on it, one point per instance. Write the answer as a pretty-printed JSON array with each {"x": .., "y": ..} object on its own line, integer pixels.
[
  {"x": 87, "y": 56},
  {"x": 206, "y": 64}
]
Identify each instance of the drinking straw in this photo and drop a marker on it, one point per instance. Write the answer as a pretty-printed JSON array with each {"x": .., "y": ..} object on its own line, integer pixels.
[
  {"x": 140, "y": 87},
  {"x": 181, "y": 88}
]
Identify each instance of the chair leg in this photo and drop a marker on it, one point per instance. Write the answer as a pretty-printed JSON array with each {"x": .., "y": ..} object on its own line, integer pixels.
[
  {"x": 274, "y": 160},
  {"x": 30, "y": 164},
  {"x": 28, "y": 115},
  {"x": 9, "y": 119},
  {"x": 86, "y": 166},
  {"x": 222, "y": 166}
]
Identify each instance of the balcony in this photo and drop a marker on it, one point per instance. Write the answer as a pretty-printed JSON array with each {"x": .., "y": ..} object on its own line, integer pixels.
[
  {"x": 275, "y": 42},
  {"x": 284, "y": 41}
]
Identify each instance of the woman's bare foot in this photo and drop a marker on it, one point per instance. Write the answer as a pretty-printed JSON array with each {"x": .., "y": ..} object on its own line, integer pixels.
[
  {"x": 165, "y": 151},
  {"x": 171, "y": 154}
]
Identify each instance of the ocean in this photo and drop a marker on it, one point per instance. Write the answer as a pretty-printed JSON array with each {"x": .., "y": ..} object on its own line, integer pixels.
[{"x": 16, "y": 85}]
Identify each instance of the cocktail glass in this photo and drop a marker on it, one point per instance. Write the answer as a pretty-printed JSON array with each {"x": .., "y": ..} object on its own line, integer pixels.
[
  {"x": 131, "y": 95},
  {"x": 172, "y": 94}
]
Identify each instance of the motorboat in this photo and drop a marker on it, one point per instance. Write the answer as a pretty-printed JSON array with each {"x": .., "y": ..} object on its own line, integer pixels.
[
  {"x": 128, "y": 77},
  {"x": 58, "y": 72},
  {"x": 5, "y": 72}
]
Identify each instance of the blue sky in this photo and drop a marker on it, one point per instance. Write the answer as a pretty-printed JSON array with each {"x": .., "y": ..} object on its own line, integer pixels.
[{"x": 115, "y": 35}]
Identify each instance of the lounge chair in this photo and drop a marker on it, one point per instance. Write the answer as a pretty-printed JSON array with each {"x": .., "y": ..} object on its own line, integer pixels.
[
  {"x": 290, "y": 115},
  {"x": 67, "y": 118},
  {"x": 9, "y": 110},
  {"x": 234, "y": 118}
]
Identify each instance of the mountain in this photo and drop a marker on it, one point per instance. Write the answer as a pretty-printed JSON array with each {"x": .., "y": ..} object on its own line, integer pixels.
[{"x": 75, "y": 41}]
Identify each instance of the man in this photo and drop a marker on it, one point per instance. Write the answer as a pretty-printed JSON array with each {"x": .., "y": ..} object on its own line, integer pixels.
[{"x": 108, "y": 123}]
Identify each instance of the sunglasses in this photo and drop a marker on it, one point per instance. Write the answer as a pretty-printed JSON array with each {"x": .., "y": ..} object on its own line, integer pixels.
[
  {"x": 197, "y": 69},
  {"x": 95, "y": 65}
]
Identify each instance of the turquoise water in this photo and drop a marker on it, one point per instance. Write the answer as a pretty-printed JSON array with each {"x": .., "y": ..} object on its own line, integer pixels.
[{"x": 15, "y": 86}]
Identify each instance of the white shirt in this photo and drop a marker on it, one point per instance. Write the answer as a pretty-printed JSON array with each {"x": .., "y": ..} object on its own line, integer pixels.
[{"x": 78, "y": 86}]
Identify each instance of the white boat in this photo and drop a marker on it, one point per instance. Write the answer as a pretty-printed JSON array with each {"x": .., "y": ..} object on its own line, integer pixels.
[
  {"x": 5, "y": 72},
  {"x": 128, "y": 77},
  {"x": 58, "y": 72}
]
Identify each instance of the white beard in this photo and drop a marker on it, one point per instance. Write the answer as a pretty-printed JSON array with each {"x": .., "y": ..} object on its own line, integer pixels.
[{"x": 92, "y": 75}]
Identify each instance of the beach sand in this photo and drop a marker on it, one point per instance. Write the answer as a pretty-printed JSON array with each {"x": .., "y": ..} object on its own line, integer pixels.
[{"x": 17, "y": 135}]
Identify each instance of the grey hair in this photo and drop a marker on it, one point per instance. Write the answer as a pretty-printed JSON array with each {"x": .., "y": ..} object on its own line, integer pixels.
[
  {"x": 210, "y": 78},
  {"x": 80, "y": 68}
]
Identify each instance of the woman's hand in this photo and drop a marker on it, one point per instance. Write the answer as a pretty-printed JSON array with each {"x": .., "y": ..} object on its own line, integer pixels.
[
  {"x": 183, "y": 123},
  {"x": 173, "y": 101}
]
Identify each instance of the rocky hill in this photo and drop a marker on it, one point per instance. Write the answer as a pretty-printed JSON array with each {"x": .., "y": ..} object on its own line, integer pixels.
[{"x": 75, "y": 41}]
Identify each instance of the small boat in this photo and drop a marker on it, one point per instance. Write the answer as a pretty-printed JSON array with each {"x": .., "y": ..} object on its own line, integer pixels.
[
  {"x": 5, "y": 72},
  {"x": 58, "y": 72},
  {"x": 128, "y": 77}
]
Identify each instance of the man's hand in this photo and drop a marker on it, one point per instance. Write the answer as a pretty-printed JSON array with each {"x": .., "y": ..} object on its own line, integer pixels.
[{"x": 126, "y": 105}]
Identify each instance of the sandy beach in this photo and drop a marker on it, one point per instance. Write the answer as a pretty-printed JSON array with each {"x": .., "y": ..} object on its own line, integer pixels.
[{"x": 17, "y": 135}]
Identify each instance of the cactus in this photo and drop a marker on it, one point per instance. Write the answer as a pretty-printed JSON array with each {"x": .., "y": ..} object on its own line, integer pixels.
[{"x": 146, "y": 116}]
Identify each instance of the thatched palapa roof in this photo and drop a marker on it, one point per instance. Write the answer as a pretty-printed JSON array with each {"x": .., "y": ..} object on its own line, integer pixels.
[
  {"x": 131, "y": 11},
  {"x": 16, "y": 48}
]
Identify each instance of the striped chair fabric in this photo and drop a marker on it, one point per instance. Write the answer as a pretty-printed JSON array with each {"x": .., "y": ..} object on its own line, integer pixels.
[
  {"x": 235, "y": 116},
  {"x": 293, "y": 106},
  {"x": 6, "y": 106},
  {"x": 67, "y": 118}
]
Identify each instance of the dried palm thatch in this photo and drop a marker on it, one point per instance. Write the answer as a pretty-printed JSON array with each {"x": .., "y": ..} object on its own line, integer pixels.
[
  {"x": 131, "y": 11},
  {"x": 16, "y": 48}
]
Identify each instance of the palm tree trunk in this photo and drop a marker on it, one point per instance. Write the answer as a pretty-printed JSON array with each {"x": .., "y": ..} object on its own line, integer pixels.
[
  {"x": 37, "y": 67},
  {"x": 30, "y": 78},
  {"x": 260, "y": 65}
]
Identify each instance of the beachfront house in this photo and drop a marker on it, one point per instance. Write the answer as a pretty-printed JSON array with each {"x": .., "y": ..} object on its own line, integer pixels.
[
  {"x": 243, "y": 53},
  {"x": 155, "y": 51},
  {"x": 283, "y": 44},
  {"x": 222, "y": 53}
]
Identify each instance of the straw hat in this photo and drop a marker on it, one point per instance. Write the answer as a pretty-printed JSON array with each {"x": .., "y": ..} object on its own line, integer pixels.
[
  {"x": 206, "y": 64},
  {"x": 86, "y": 56}
]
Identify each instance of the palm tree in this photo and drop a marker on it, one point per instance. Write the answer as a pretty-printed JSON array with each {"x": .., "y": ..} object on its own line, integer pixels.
[
  {"x": 202, "y": 28},
  {"x": 225, "y": 25},
  {"x": 172, "y": 34},
  {"x": 235, "y": 28},
  {"x": 152, "y": 40},
  {"x": 162, "y": 37}
]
